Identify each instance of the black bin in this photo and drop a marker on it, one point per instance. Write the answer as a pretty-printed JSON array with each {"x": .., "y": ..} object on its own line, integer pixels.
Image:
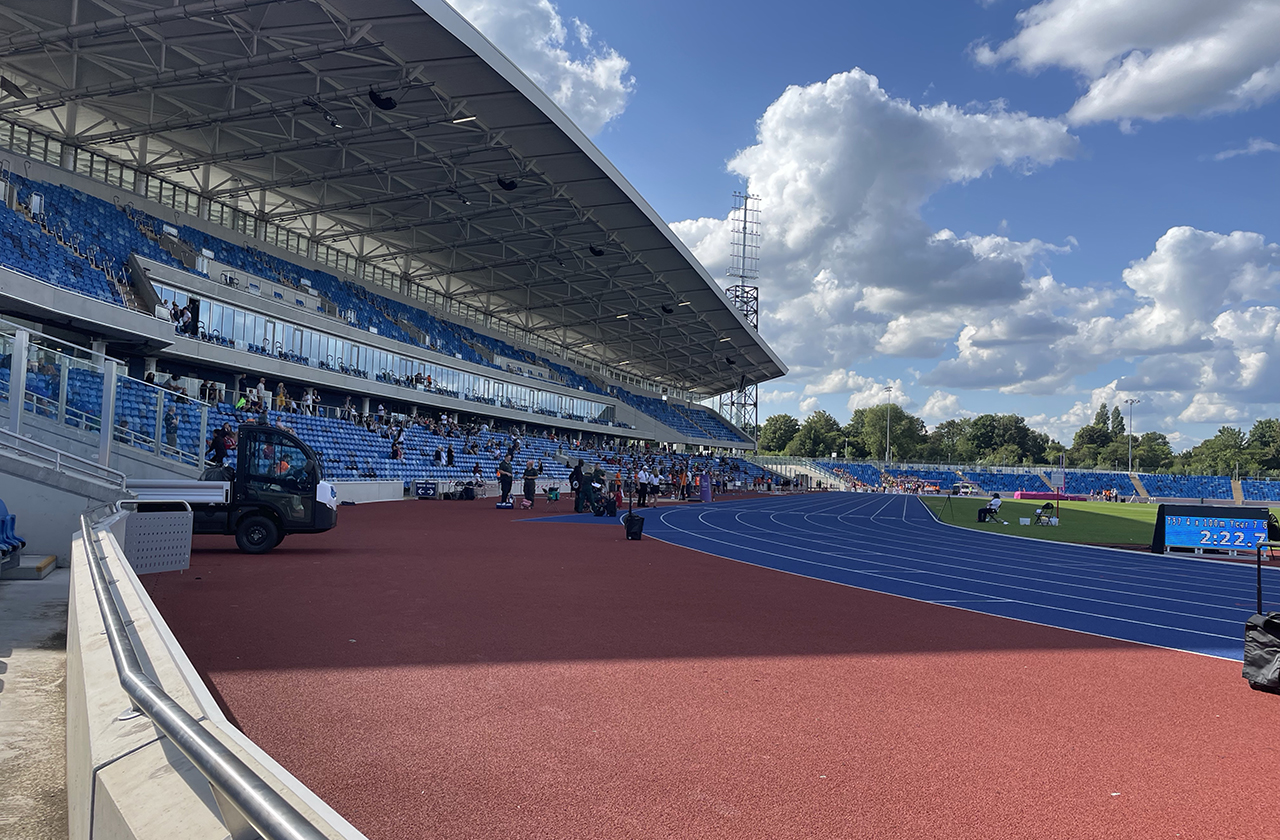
[{"x": 634, "y": 525}]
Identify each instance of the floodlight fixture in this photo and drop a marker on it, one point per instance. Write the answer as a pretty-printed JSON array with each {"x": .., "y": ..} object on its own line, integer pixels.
[
  {"x": 508, "y": 186},
  {"x": 597, "y": 251}
]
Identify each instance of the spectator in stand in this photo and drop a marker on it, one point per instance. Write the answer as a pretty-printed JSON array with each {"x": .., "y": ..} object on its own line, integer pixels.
[
  {"x": 219, "y": 443},
  {"x": 171, "y": 428},
  {"x": 307, "y": 402},
  {"x": 260, "y": 394},
  {"x": 448, "y": 456},
  {"x": 122, "y": 433},
  {"x": 348, "y": 410}
]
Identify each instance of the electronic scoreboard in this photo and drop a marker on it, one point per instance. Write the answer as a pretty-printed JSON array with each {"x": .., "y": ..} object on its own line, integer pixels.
[{"x": 1208, "y": 528}]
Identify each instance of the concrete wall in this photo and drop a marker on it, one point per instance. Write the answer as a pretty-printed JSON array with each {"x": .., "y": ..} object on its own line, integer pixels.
[
  {"x": 360, "y": 492},
  {"x": 47, "y": 504},
  {"x": 125, "y": 780}
]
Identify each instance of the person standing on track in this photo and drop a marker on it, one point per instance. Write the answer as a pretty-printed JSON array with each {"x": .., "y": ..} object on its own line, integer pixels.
[
  {"x": 575, "y": 484},
  {"x": 504, "y": 480},
  {"x": 531, "y": 474}
]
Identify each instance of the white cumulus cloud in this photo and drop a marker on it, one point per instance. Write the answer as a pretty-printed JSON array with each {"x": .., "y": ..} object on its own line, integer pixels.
[
  {"x": 849, "y": 267},
  {"x": 1152, "y": 59},
  {"x": 588, "y": 80}
]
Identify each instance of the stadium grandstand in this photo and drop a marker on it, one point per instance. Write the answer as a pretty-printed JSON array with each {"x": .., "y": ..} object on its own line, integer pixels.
[
  {"x": 391, "y": 215},
  {"x": 358, "y": 221}
]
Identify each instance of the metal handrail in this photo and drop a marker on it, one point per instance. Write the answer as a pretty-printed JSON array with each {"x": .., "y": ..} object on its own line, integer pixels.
[
  {"x": 264, "y": 809},
  {"x": 62, "y": 461}
]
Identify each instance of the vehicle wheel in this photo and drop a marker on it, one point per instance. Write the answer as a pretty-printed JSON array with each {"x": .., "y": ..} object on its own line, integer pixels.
[{"x": 257, "y": 534}]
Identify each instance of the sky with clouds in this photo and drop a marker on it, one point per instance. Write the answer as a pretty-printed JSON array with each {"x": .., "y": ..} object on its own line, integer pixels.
[{"x": 988, "y": 205}]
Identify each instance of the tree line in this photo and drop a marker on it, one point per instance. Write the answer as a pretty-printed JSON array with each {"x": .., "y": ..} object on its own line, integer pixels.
[{"x": 1007, "y": 440}]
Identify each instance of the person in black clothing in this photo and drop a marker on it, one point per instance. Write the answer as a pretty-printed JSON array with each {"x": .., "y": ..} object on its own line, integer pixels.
[
  {"x": 575, "y": 484},
  {"x": 531, "y": 474},
  {"x": 505, "y": 477},
  {"x": 220, "y": 443},
  {"x": 448, "y": 456}
]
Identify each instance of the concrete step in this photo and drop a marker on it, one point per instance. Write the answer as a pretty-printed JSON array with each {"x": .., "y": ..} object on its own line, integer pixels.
[
  {"x": 1237, "y": 491},
  {"x": 1139, "y": 486},
  {"x": 31, "y": 569}
]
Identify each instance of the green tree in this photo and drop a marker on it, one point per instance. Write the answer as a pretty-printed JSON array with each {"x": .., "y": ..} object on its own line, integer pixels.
[
  {"x": 852, "y": 443},
  {"x": 777, "y": 433},
  {"x": 1219, "y": 455},
  {"x": 1091, "y": 436},
  {"x": 907, "y": 432},
  {"x": 950, "y": 441},
  {"x": 1264, "y": 443},
  {"x": 819, "y": 436},
  {"x": 1117, "y": 422},
  {"x": 1100, "y": 419},
  {"x": 1152, "y": 452}
]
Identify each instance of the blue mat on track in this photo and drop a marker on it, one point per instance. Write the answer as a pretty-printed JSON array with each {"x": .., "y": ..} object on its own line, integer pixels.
[{"x": 893, "y": 544}]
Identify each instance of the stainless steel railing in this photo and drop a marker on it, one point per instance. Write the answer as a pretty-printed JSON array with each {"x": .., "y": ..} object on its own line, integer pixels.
[{"x": 234, "y": 783}]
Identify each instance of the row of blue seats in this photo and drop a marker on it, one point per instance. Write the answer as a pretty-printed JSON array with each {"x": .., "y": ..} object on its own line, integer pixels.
[
  {"x": 1188, "y": 486},
  {"x": 9, "y": 539},
  {"x": 116, "y": 235},
  {"x": 993, "y": 482}
]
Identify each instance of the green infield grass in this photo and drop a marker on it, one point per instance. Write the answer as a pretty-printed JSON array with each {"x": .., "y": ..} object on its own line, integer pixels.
[{"x": 1096, "y": 523}]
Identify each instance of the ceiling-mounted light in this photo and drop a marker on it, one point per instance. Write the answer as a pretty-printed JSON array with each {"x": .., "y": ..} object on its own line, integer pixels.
[
  {"x": 726, "y": 338},
  {"x": 685, "y": 303},
  {"x": 667, "y": 309},
  {"x": 460, "y": 196},
  {"x": 461, "y": 120},
  {"x": 624, "y": 315},
  {"x": 385, "y": 103},
  {"x": 731, "y": 360},
  {"x": 507, "y": 185},
  {"x": 597, "y": 251},
  {"x": 559, "y": 261}
]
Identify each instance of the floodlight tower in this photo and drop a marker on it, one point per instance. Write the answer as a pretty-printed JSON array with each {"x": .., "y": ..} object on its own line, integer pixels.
[{"x": 742, "y": 406}]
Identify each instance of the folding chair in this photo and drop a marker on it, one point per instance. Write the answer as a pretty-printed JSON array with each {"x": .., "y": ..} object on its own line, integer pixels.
[{"x": 553, "y": 498}]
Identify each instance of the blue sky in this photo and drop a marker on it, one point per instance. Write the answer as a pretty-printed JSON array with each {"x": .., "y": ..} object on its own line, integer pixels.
[{"x": 992, "y": 206}]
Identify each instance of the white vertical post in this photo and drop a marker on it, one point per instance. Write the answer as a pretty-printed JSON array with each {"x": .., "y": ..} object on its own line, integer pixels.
[
  {"x": 204, "y": 430},
  {"x": 107, "y": 428},
  {"x": 62, "y": 390},
  {"x": 159, "y": 430},
  {"x": 18, "y": 379}
]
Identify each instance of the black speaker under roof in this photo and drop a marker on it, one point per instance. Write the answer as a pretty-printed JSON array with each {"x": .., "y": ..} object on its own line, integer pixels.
[{"x": 385, "y": 103}]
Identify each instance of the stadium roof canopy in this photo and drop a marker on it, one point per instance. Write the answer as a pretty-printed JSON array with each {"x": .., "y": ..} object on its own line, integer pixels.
[{"x": 392, "y": 129}]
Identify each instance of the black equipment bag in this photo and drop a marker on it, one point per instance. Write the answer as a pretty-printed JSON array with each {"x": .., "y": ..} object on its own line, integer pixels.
[
  {"x": 610, "y": 506},
  {"x": 469, "y": 493},
  {"x": 982, "y": 515},
  {"x": 1262, "y": 645},
  {"x": 634, "y": 525},
  {"x": 1262, "y": 652}
]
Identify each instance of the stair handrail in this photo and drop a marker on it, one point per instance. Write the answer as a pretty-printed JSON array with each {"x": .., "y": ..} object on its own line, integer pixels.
[
  {"x": 232, "y": 780},
  {"x": 61, "y": 461}
]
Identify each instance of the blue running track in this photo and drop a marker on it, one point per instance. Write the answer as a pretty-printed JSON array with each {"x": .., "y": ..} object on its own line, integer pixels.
[{"x": 892, "y": 544}]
